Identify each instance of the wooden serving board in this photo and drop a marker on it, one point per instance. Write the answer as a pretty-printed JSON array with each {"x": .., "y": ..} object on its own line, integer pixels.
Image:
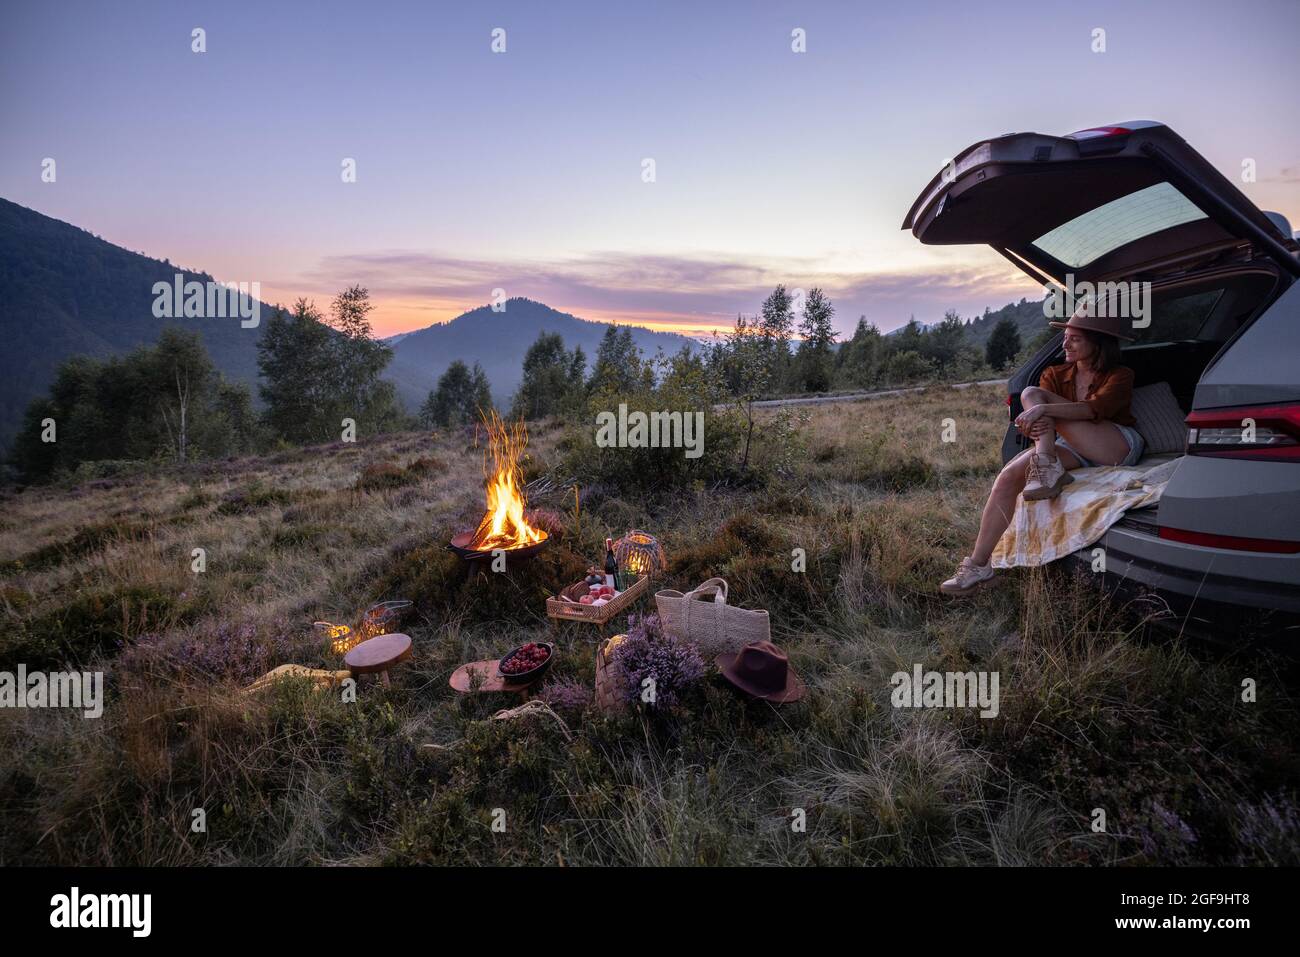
[{"x": 489, "y": 677}]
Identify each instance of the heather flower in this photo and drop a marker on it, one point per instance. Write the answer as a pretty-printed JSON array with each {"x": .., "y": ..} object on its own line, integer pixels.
[
  {"x": 237, "y": 651},
  {"x": 647, "y": 652},
  {"x": 567, "y": 694}
]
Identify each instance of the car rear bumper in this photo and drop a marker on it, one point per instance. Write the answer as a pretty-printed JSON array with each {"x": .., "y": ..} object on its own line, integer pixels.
[{"x": 1265, "y": 601}]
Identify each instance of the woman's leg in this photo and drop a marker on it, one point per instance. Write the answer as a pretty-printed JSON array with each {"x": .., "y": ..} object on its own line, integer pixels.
[
  {"x": 1101, "y": 442},
  {"x": 1098, "y": 441},
  {"x": 1045, "y": 443},
  {"x": 1000, "y": 506}
]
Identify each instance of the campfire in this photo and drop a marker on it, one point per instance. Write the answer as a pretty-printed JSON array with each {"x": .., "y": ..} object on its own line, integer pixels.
[{"x": 505, "y": 523}]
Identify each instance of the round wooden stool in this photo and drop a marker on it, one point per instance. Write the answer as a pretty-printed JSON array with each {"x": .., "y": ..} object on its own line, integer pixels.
[{"x": 378, "y": 654}]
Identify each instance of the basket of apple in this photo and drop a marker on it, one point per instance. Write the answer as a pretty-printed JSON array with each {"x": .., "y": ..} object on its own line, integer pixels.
[{"x": 593, "y": 600}]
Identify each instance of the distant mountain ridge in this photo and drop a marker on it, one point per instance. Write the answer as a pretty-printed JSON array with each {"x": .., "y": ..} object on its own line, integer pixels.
[
  {"x": 498, "y": 341},
  {"x": 66, "y": 292}
]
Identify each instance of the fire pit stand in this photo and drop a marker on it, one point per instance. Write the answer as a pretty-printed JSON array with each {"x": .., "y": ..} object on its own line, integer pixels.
[{"x": 476, "y": 560}]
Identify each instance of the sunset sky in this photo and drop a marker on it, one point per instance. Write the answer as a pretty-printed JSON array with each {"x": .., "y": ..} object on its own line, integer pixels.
[{"x": 523, "y": 170}]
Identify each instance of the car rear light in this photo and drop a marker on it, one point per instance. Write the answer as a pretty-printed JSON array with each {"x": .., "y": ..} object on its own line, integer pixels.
[
  {"x": 1233, "y": 542},
  {"x": 1011, "y": 412},
  {"x": 1247, "y": 432},
  {"x": 1099, "y": 131},
  {"x": 1101, "y": 139}
]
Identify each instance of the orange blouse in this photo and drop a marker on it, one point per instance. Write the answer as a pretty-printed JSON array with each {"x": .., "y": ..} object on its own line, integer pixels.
[{"x": 1109, "y": 396}]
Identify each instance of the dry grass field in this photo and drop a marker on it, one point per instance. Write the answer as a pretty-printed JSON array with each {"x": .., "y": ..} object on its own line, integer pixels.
[{"x": 1093, "y": 714}]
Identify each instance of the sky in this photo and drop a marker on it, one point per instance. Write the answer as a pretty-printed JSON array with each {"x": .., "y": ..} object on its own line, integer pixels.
[{"x": 524, "y": 170}]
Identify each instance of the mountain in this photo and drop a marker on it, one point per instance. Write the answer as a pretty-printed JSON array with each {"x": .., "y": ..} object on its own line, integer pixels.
[
  {"x": 498, "y": 341},
  {"x": 1027, "y": 314},
  {"x": 65, "y": 292}
]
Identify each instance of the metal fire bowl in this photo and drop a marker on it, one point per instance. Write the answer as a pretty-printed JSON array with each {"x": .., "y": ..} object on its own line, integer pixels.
[{"x": 460, "y": 544}]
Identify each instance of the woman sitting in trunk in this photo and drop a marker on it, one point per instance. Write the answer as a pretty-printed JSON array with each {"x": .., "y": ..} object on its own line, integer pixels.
[{"x": 1078, "y": 417}]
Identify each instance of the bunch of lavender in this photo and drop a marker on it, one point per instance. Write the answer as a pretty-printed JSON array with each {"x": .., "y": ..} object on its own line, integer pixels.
[
  {"x": 567, "y": 694},
  {"x": 647, "y": 652}
]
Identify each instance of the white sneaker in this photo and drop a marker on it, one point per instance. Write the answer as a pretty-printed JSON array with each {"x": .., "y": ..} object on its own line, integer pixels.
[
  {"x": 970, "y": 577},
  {"x": 1047, "y": 476}
]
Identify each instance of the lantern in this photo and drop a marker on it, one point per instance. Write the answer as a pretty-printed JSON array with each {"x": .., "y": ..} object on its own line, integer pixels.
[
  {"x": 640, "y": 553},
  {"x": 342, "y": 639},
  {"x": 380, "y": 618}
]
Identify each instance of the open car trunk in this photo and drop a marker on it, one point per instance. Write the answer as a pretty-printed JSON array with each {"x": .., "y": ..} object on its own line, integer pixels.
[{"x": 1126, "y": 202}]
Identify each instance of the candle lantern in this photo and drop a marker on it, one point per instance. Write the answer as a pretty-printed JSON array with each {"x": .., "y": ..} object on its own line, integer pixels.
[
  {"x": 640, "y": 553},
  {"x": 342, "y": 639},
  {"x": 383, "y": 617}
]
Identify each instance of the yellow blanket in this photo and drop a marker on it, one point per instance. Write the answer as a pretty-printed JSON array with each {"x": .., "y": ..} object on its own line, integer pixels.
[{"x": 1043, "y": 531}]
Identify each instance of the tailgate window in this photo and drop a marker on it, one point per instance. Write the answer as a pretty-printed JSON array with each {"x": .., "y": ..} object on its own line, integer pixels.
[{"x": 1117, "y": 223}]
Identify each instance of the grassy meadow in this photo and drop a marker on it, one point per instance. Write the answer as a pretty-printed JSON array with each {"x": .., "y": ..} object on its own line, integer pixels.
[{"x": 1094, "y": 714}]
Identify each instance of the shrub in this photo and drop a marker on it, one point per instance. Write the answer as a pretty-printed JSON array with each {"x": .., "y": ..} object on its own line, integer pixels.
[{"x": 383, "y": 476}]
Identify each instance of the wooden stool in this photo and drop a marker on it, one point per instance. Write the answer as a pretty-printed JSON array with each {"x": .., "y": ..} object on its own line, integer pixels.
[{"x": 378, "y": 655}]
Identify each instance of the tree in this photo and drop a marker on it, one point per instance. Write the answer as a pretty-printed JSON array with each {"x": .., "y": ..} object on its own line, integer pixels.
[
  {"x": 1003, "y": 344},
  {"x": 316, "y": 374},
  {"x": 160, "y": 401},
  {"x": 942, "y": 344},
  {"x": 180, "y": 369},
  {"x": 815, "y": 360},
  {"x": 462, "y": 394},
  {"x": 775, "y": 326},
  {"x": 744, "y": 361},
  {"x": 618, "y": 365},
  {"x": 297, "y": 365},
  {"x": 860, "y": 359},
  {"x": 552, "y": 379}
]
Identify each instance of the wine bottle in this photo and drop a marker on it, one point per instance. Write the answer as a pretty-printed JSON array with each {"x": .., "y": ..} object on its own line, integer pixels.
[{"x": 611, "y": 566}]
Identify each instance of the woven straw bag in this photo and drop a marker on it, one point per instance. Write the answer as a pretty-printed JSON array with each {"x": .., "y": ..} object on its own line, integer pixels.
[{"x": 703, "y": 616}]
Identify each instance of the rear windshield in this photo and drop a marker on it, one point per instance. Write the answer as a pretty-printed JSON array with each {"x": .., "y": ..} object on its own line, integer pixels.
[{"x": 1114, "y": 224}]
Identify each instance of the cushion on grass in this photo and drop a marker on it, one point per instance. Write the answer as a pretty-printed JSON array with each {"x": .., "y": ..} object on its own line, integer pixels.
[{"x": 1159, "y": 419}]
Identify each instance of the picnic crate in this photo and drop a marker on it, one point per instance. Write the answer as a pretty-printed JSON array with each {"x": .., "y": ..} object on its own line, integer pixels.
[{"x": 599, "y": 614}]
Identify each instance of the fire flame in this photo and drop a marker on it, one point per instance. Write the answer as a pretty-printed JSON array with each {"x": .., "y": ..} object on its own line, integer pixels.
[{"x": 504, "y": 524}]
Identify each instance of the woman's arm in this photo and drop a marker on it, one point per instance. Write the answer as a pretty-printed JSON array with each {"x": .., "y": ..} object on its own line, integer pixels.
[
  {"x": 1055, "y": 410},
  {"x": 1064, "y": 410}
]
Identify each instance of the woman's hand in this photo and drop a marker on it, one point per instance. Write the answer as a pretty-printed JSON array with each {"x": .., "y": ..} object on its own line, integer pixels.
[{"x": 1033, "y": 422}]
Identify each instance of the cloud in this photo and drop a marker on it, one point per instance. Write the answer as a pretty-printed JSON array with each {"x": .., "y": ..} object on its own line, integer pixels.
[{"x": 688, "y": 293}]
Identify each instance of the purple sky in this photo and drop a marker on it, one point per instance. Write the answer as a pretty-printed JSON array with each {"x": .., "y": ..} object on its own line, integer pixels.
[{"x": 523, "y": 170}]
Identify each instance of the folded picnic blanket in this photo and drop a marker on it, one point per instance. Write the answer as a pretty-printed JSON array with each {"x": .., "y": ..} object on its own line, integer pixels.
[{"x": 1043, "y": 531}]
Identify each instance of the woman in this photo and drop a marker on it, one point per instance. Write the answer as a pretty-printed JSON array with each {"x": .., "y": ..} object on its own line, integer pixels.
[{"x": 1078, "y": 417}]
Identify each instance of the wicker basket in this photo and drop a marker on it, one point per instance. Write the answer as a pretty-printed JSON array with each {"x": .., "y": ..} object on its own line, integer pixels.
[
  {"x": 609, "y": 681},
  {"x": 572, "y": 610}
]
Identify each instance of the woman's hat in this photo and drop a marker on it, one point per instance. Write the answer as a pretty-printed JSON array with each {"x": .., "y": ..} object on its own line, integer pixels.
[
  {"x": 762, "y": 670},
  {"x": 1107, "y": 325}
]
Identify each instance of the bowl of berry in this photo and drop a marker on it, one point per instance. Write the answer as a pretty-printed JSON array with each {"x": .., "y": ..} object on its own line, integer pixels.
[{"x": 527, "y": 663}]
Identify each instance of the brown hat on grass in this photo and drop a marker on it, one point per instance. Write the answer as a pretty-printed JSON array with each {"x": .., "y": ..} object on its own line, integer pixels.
[{"x": 763, "y": 671}]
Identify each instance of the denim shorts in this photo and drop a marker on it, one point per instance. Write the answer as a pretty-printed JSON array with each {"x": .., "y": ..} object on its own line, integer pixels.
[{"x": 1136, "y": 445}]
